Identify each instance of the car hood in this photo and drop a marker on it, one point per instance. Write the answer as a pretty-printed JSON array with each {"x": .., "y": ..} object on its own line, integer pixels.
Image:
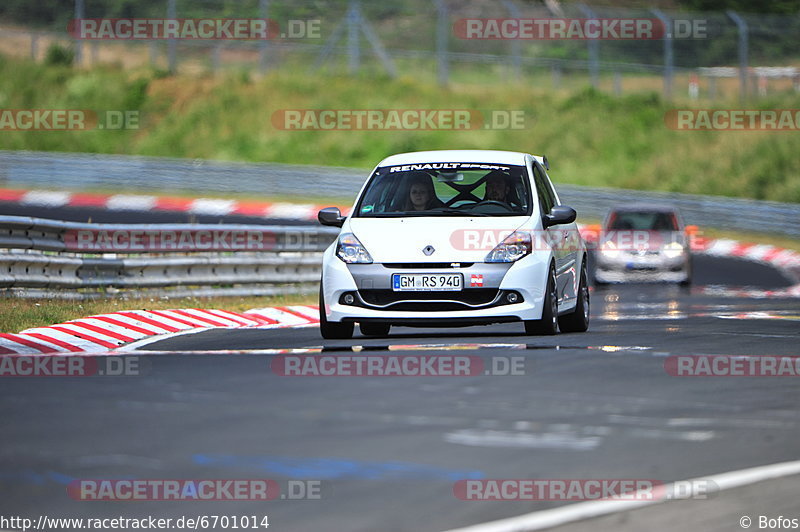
[{"x": 453, "y": 238}]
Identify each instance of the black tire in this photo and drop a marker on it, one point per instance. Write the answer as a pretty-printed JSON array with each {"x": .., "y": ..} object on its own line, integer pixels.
[
  {"x": 688, "y": 281},
  {"x": 548, "y": 325},
  {"x": 374, "y": 329},
  {"x": 578, "y": 320},
  {"x": 332, "y": 330}
]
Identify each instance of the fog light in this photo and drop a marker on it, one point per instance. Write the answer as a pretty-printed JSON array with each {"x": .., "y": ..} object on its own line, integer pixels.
[
  {"x": 348, "y": 299},
  {"x": 512, "y": 297}
]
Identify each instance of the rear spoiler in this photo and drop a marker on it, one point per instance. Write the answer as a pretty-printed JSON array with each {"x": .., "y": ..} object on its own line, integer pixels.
[{"x": 543, "y": 161}]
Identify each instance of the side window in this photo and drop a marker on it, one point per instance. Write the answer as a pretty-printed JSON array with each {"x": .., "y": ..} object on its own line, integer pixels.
[
  {"x": 549, "y": 188},
  {"x": 546, "y": 200}
]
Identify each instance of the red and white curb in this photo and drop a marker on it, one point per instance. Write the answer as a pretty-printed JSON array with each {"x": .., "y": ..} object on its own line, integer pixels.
[
  {"x": 127, "y": 202},
  {"x": 105, "y": 332},
  {"x": 785, "y": 260}
]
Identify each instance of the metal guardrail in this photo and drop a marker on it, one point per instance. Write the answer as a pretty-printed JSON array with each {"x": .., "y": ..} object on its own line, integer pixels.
[
  {"x": 40, "y": 257},
  {"x": 704, "y": 211},
  {"x": 77, "y": 171}
]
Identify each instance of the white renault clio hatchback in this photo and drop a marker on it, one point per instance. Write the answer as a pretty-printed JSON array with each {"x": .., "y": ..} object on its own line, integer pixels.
[{"x": 455, "y": 238}]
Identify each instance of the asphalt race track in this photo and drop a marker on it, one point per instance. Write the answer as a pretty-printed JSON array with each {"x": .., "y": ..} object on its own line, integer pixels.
[{"x": 387, "y": 451}]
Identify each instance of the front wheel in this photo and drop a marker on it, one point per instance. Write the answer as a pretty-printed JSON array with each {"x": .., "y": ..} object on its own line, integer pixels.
[
  {"x": 332, "y": 330},
  {"x": 548, "y": 325},
  {"x": 578, "y": 320}
]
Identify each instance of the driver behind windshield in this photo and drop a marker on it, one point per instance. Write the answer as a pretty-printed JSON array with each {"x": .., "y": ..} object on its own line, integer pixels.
[
  {"x": 421, "y": 194},
  {"x": 497, "y": 188}
]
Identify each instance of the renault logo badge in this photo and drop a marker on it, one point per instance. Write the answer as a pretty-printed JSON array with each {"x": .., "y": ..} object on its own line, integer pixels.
[{"x": 428, "y": 250}]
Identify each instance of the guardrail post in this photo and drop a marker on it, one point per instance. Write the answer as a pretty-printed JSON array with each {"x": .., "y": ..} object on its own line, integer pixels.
[{"x": 556, "y": 72}]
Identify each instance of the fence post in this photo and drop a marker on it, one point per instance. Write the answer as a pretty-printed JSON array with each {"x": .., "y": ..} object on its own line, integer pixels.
[
  {"x": 353, "y": 49},
  {"x": 172, "y": 45},
  {"x": 79, "y": 14},
  {"x": 743, "y": 45},
  {"x": 263, "y": 6},
  {"x": 442, "y": 31},
  {"x": 516, "y": 46},
  {"x": 668, "y": 53},
  {"x": 594, "y": 50}
]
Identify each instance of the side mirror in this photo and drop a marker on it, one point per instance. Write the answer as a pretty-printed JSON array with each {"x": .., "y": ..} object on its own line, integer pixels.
[
  {"x": 560, "y": 214},
  {"x": 331, "y": 216}
]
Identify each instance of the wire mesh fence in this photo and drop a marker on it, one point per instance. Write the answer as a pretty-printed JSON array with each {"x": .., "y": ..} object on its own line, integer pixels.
[{"x": 427, "y": 38}]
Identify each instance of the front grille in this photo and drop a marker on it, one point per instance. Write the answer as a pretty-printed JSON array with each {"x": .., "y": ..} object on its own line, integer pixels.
[
  {"x": 636, "y": 253},
  {"x": 425, "y": 265},
  {"x": 472, "y": 296}
]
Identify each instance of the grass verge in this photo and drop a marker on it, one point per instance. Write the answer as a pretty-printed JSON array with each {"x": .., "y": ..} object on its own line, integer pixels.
[{"x": 590, "y": 137}]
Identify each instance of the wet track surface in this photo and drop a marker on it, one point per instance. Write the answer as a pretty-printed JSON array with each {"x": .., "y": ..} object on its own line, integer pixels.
[{"x": 387, "y": 450}]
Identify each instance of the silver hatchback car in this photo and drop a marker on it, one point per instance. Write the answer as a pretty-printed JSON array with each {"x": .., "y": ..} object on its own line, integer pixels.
[{"x": 643, "y": 243}]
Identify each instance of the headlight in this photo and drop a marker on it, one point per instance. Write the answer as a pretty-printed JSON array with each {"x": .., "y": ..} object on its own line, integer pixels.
[
  {"x": 673, "y": 250},
  {"x": 609, "y": 250},
  {"x": 350, "y": 250},
  {"x": 512, "y": 248}
]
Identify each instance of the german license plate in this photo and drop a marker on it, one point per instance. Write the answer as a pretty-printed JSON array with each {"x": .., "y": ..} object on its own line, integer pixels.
[{"x": 423, "y": 282}]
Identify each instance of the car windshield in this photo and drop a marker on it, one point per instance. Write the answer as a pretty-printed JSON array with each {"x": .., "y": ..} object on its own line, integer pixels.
[
  {"x": 446, "y": 189},
  {"x": 643, "y": 221}
]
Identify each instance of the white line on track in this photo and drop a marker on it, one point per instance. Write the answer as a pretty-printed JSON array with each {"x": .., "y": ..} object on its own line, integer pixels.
[{"x": 590, "y": 509}]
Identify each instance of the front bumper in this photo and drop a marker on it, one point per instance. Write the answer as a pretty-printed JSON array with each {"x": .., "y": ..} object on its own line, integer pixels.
[
  {"x": 375, "y": 301},
  {"x": 634, "y": 267}
]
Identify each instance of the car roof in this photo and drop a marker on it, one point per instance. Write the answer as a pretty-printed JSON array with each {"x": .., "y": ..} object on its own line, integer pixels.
[{"x": 466, "y": 156}]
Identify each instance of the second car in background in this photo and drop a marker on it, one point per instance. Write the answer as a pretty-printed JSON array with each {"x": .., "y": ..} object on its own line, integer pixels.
[{"x": 643, "y": 243}]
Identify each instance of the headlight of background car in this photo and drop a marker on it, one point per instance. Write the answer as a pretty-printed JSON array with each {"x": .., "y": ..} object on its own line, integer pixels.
[
  {"x": 673, "y": 250},
  {"x": 512, "y": 248},
  {"x": 351, "y": 251},
  {"x": 609, "y": 249}
]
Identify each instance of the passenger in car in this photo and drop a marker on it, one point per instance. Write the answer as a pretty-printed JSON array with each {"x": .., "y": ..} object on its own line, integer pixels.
[{"x": 421, "y": 194}]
